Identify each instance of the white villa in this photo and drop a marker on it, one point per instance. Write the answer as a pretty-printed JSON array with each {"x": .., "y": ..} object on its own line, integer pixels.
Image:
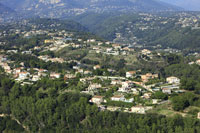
[
  {"x": 118, "y": 98},
  {"x": 173, "y": 80},
  {"x": 97, "y": 99}
]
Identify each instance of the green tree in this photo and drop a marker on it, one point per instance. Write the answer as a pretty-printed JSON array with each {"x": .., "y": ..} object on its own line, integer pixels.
[{"x": 179, "y": 103}]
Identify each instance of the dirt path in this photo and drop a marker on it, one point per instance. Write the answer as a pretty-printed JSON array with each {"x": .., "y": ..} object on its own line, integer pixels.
[{"x": 18, "y": 122}]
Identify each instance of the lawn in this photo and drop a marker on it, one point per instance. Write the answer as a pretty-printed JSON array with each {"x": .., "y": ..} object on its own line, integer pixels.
[{"x": 165, "y": 109}]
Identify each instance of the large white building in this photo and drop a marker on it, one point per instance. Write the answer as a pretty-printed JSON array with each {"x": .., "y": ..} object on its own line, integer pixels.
[
  {"x": 130, "y": 74},
  {"x": 198, "y": 115},
  {"x": 173, "y": 80},
  {"x": 126, "y": 86},
  {"x": 23, "y": 75},
  {"x": 198, "y": 62},
  {"x": 167, "y": 90},
  {"x": 140, "y": 109},
  {"x": 55, "y": 75},
  {"x": 94, "y": 87},
  {"x": 97, "y": 99},
  {"x": 35, "y": 78},
  {"x": 118, "y": 98}
]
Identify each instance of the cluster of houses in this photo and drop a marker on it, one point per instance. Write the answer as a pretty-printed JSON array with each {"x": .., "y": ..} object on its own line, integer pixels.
[
  {"x": 62, "y": 42},
  {"x": 21, "y": 73},
  {"x": 58, "y": 43},
  {"x": 119, "y": 98},
  {"x": 127, "y": 86},
  {"x": 113, "y": 49},
  {"x": 188, "y": 20}
]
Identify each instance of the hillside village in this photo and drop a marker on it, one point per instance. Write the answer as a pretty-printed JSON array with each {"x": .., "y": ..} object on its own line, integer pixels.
[
  {"x": 134, "y": 92},
  {"x": 99, "y": 66},
  {"x": 117, "y": 76},
  {"x": 134, "y": 31}
]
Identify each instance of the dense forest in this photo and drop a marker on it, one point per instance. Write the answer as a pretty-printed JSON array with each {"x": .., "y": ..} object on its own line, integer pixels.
[
  {"x": 9, "y": 125},
  {"x": 45, "y": 107}
]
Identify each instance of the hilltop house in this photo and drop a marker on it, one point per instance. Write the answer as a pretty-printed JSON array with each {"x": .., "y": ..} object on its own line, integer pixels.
[
  {"x": 91, "y": 40},
  {"x": 146, "y": 52},
  {"x": 23, "y": 75},
  {"x": 173, "y": 80},
  {"x": 148, "y": 76},
  {"x": 59, "y": 60},
  {"x": 76, "y": 67},
  {"x": 42, "y": 74},
  {"x": 17, "y": 70},
  {"x": 166, "y": 90},
  {"x": 94, "y": 87},
  {"x": 130, "y": 74},
  {"x": 126, "y": 86},
  {"x": 147, "y": 95},
  {"x": 96, "y": 67},
  {"x": 44, "y": 57},
  {"x": 198, "y": 62},
  {"x": 49, "y": 41},
  {"x": 97, "y": 99},
  {"x": 35, "y": 78},
  {"x": 140, "y": 109},
  {"x": 124, "y": 89},
  {"x": 55, "y": 75},
  {"x": 87, "y": 72},
  {"x": 198, "y": 115},
  {"x": 42, "y": 70},
  {"x": 121, "y": 98},
  {"x": 116, "y": 82},
  {"x": 86, "y": 79},
  {"x": 116, "y": 46},
  {"x": 118, "y": 98},
  {"x": 69, "y": 76}
]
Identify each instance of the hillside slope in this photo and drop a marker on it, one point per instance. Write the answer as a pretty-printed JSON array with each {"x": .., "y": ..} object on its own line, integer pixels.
[
  {"x": 143, "y": 29},
  {"x": 64, "y": 8}
]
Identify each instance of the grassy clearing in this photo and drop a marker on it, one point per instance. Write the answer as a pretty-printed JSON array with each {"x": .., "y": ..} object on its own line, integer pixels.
[{"x": 165, "y": 109}]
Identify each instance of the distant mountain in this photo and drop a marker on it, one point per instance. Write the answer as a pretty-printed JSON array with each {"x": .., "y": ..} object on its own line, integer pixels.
[
  {"x": 192, "y": 5},
  {"x": 64, "y": 8},
  {"x": 6, "y": 13},
  {"x": 4, "y": 9}
]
